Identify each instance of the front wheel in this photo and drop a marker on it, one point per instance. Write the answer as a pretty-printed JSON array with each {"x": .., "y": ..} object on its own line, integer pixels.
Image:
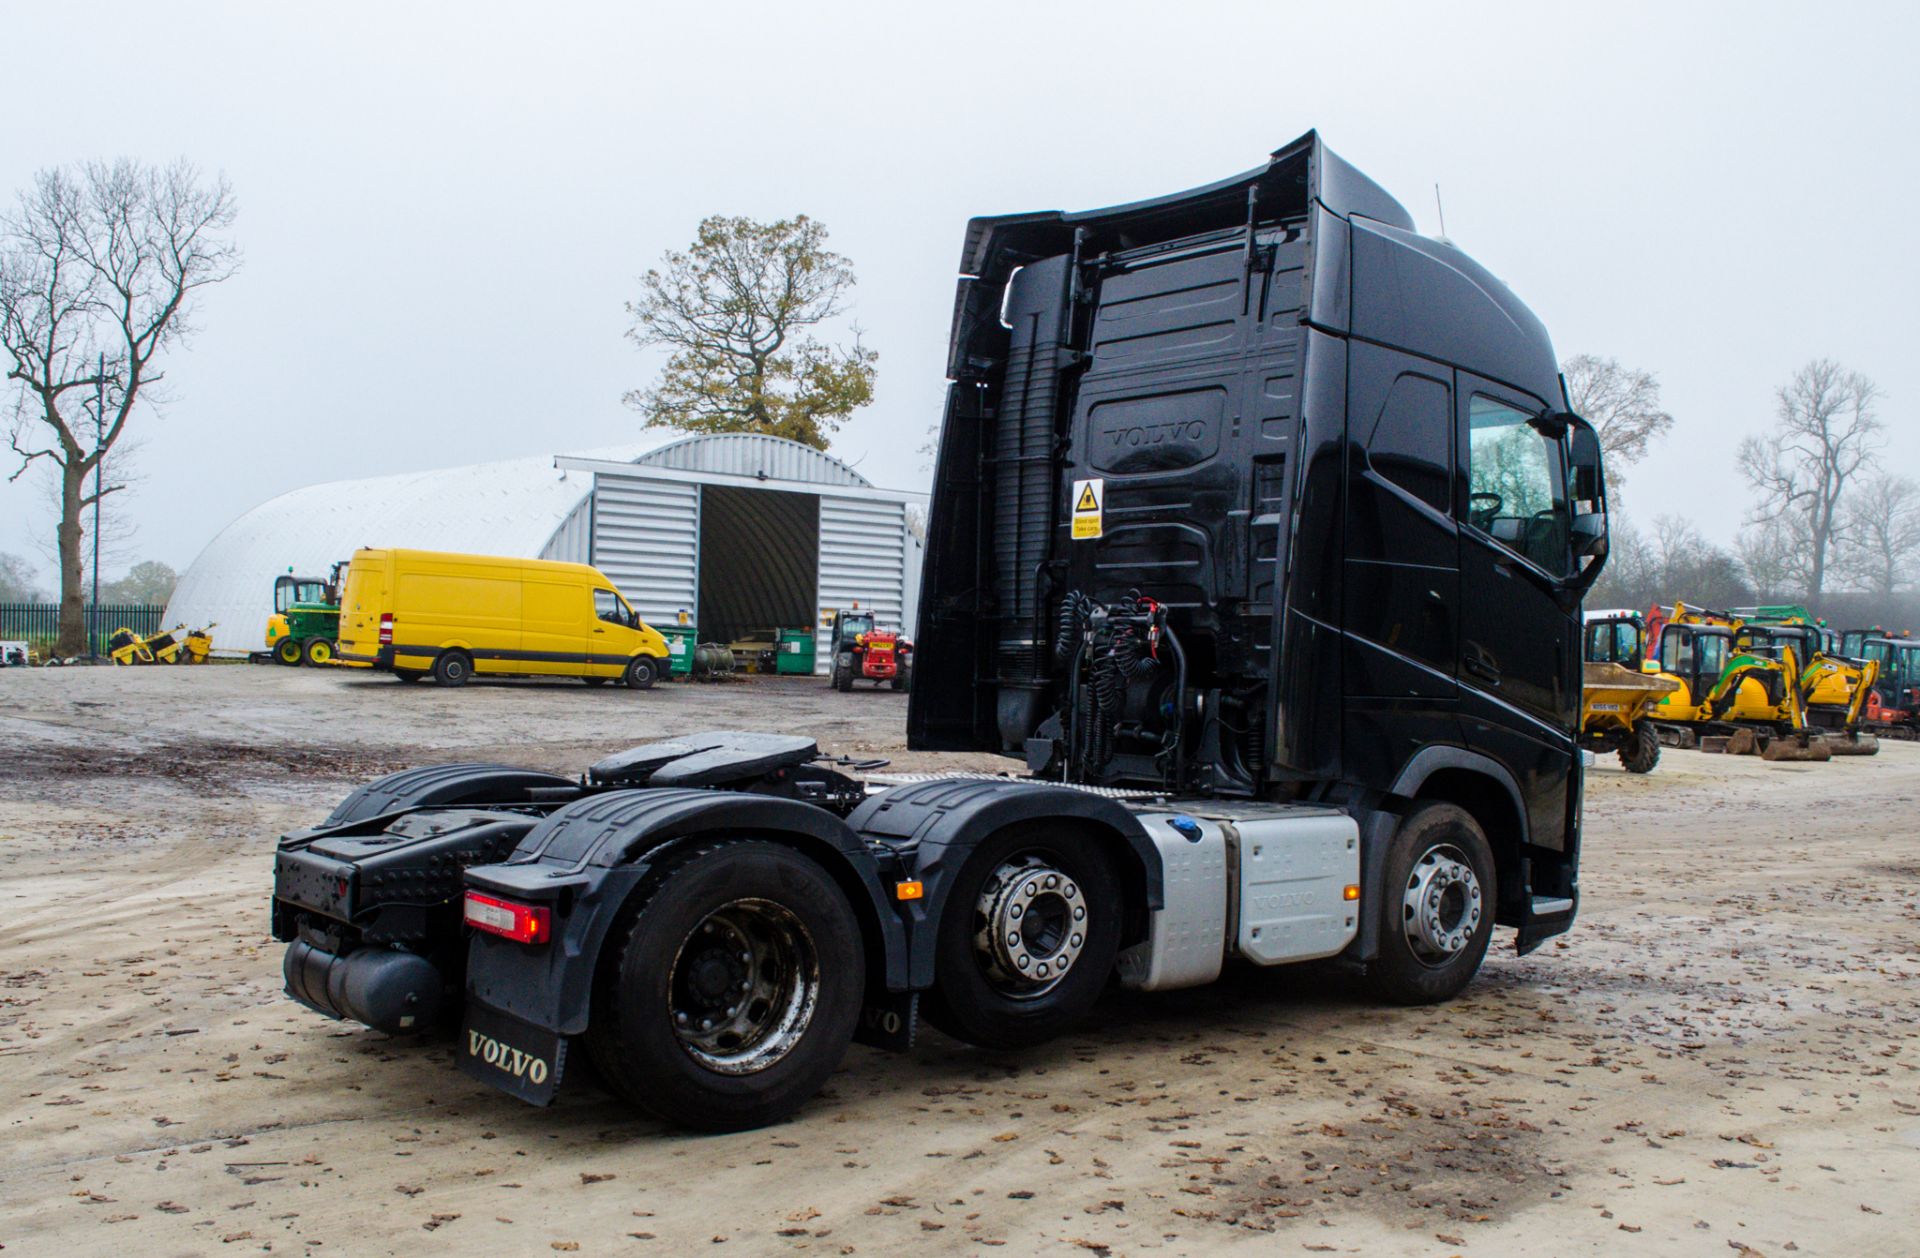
[
  {"x": 1028, "y": 937},
  {"x": 1641, "y": 751},
  {"x": 1437, "y": 915},
  {"x": 287, "y": 651},
  {"x": 733, "y": 995},
  {"x": 641, "y": 673}
]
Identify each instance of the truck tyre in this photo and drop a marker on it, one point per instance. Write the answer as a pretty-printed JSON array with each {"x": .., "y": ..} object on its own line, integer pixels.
[
  {"x": 642, "y": 672},
  {"x": 1642, "y": 749},
  {"x": 1027, "y": 938},
  {"x": 843, "y": 679},
  {"x": 318, "y": 652},
  {"x": 287, "y": 651},
  {"x": 1437, "y": 912},
  {"x": 730, "y": 994},
  {"x": 452, "y": 668}
]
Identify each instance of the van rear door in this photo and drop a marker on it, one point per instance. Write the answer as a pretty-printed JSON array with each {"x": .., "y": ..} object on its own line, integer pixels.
[{"x": 365, "y": 596}]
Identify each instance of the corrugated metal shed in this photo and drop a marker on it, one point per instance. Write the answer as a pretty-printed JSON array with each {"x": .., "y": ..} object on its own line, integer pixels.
[
  {"x": 516, "y": 507},
  {"x": 634, "y": 511}
]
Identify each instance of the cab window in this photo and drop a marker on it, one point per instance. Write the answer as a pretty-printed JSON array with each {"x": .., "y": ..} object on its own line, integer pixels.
[
  {"x": 1612, "y": 642},
  {"x": 1517, "y": 484},
  {"x": 609, "y": 607},
  {"x": 283, "y": 594}
]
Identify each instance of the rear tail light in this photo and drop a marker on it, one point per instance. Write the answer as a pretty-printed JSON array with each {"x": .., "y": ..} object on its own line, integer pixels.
[
  {"x": 522, "y": 923},
  {"x": 386, "y": 628}
]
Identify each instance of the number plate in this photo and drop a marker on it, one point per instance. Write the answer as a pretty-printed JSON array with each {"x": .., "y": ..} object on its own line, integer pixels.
[{"x": 517, "y": 1057}]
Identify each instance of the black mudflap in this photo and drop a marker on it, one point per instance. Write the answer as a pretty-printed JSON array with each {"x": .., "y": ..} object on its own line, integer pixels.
[
  {"x": 889, "y": 1020},
  {"x": 517, "y": 1057}
]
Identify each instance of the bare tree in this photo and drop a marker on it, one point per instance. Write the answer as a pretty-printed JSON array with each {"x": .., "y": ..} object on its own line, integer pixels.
[
  {"x": 1826, "y": 432},
  {"x": 1622, "y": 403},
  {"x": 1881, "y": 539},
  {"x": 735, "y": 310},
  {"x": 1776, "y": 573},
  {"x": 99, "y": 265}
]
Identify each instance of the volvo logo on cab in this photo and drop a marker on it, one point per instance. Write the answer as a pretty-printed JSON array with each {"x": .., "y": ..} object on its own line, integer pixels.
[{"x": 1138, "y": 435}]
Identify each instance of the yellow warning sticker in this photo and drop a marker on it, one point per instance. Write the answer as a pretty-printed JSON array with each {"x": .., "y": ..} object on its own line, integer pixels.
[{"x": 1087, "y": 498}]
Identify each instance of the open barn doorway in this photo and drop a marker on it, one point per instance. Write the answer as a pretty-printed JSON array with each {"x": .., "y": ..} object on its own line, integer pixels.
[{"x": 759, "y": 565}]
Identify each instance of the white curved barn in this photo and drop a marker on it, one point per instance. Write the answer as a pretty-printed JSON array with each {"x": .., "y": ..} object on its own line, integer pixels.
[{"x": 746, "y": 531}]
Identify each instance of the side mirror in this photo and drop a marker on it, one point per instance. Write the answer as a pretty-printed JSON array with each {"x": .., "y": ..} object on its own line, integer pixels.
[{"x": 1588, "y": 484}]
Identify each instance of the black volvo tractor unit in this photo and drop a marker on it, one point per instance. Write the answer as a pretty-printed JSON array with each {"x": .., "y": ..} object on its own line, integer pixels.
[{"x": 1259, "y": 534}]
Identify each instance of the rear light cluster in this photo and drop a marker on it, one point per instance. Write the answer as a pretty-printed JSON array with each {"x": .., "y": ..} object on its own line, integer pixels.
[
  {"x": 522, "y": 923},
  {"x": 386, "y": 628}
]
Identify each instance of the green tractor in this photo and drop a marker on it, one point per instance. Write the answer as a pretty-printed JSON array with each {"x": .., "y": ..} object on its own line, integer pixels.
[{"x": 306, "y": 618}]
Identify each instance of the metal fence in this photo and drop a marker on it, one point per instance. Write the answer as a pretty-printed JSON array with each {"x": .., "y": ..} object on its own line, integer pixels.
[{"x": 26, "y": 622}]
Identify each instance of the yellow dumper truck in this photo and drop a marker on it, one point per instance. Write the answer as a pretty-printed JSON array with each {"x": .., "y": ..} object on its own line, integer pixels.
[{"x": 418, "y": 612}]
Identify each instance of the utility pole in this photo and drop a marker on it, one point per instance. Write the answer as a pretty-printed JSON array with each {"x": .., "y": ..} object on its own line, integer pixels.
[{"x": 99, "y": 473}]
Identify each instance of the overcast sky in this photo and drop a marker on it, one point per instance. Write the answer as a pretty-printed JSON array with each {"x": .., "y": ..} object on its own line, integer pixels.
[{"x": 443, "y": 208}]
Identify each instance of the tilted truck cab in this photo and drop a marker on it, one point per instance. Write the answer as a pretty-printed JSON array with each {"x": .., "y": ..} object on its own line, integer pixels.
[{"x": 1259, "y": 533}]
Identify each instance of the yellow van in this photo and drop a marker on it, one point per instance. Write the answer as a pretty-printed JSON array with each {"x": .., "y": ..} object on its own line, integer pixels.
[{"x": 415, "y": 612}]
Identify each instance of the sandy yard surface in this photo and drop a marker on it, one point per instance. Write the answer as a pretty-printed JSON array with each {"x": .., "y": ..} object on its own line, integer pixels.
[{"x": 1721, "y": 1057}]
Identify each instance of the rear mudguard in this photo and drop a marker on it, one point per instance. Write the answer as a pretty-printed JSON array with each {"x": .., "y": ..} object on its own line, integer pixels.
[
  {"x": 441, "y": 784},
  {"x": 939, "y": 823},
  {"x": 587, "y": 858}
]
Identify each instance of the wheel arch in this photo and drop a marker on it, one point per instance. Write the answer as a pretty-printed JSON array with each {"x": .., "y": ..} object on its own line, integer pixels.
[
  {"x": 592, "y": 857},
  {"x": 1476, "y": 783},
  {"x": 946, "y": 820}
]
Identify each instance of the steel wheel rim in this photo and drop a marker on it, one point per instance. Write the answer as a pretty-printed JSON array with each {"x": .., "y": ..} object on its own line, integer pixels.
[
  {"x": 1030, "y": 926},
  {"x": 743, "y": 986},
  {"x": 1442, "y": 905}
]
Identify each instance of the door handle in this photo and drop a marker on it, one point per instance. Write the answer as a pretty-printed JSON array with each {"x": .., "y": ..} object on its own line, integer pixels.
[
  {"x": 597, "y": 629},
  {"x": 1481, "y": 667}
]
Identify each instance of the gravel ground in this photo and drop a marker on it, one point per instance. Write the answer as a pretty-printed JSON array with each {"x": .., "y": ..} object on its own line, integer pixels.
[{"x": 1721, "y": 1056}]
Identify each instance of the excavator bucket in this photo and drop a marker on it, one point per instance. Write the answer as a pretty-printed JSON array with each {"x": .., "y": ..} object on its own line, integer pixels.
[
  {"x": 1743, "y": 742},
  {"x": 1853, "y": 744},
  {"x": 1790, "y": 747}
]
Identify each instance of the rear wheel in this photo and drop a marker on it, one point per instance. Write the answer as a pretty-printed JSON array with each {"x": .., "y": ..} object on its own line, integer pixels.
[
  {"x": 452, "y": 668},
  {"x": 843, "y": 678},
  {"x": 1437, "y": 915},
  {"x": 1642, "y": 749},
  {"x": 733, "y": 994},
  {"x": 1027, "y": 938},
  {"x": 287, "y": 651},
  {"x": 318, "y": 652},
  {"x": 642, "y": 672}
]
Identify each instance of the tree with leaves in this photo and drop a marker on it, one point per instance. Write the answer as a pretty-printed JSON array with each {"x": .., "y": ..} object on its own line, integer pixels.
[
  {"x": 1826, "y": 430},
  {"x": 149, "y": 581},
  {"x": 99, "y": 268},
  {"x": 736, "y": 312},
  {"x": 1881, "y": 540},
  {"x": 1623, "y": 405}
]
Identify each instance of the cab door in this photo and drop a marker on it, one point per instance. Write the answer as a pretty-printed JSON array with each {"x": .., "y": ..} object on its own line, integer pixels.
[
  {"x": 613, "y": 638},
  {"x": 1519, "y": 670}
]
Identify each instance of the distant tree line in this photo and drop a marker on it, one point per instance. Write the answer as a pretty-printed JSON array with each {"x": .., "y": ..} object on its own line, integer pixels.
[{"x": 1830, "y": 527}]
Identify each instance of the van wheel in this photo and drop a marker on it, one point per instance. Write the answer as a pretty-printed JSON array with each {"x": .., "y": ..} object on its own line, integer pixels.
[
  {"x": 407, "y": 674},
  {"x": 1437, "y": 910},
  {"x": 731, "y": 994},
  {"x": 1027, "y": 938},
  {"x": 642, "y": 672},
  {"x": 594, "y": 681},
  {"x": 452, "y": 668}
]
